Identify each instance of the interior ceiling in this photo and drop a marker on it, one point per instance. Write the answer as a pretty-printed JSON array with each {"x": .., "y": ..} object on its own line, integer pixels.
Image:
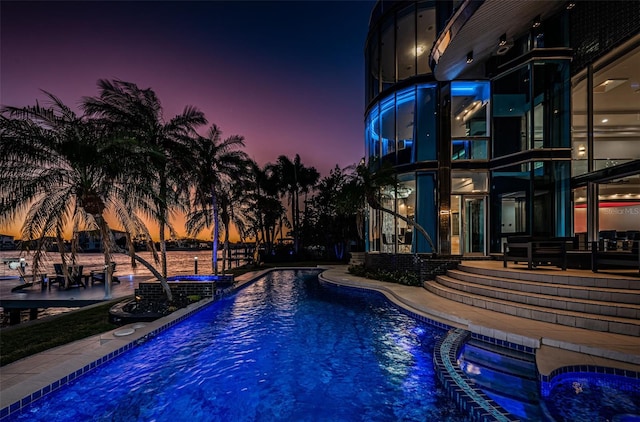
[{"x": 620, "y": 106}]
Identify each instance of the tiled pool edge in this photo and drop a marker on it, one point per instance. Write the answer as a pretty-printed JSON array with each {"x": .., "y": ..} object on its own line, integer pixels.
[
  {"x": 467, "y": 397},
  {"x": 170, "y": 321}
]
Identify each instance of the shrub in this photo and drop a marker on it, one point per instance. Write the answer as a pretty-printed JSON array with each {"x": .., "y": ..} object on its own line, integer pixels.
[{"x": 406, "y": 278}]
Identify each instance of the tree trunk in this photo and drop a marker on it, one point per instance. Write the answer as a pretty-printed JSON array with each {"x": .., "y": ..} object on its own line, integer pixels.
[
  {"x": 105, "y": 233},
  {"x": 163, "y": 280},
  {"x": 216, "y": 233}
]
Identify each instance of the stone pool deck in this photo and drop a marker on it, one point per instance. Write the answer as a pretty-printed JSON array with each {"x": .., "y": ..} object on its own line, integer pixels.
[{"x": 558, "y": 346}]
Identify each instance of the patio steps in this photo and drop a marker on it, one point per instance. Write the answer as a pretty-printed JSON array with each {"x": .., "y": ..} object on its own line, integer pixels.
[{"x": 595, "y": 303}]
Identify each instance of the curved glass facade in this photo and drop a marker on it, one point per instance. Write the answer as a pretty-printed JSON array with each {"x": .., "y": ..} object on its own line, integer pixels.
[
  {"x": 399, "y": 44},
  {"x": 492, "y": 156},
  {"x": 401, "y": 122},
  {"x": 401, "y": 128}
]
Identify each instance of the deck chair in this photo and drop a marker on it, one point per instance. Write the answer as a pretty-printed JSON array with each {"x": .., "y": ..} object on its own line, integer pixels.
[
  {"x": 58, "y": 278},
  {"x": 101, "y": 276},
  {"x": 76, "y": 276}
]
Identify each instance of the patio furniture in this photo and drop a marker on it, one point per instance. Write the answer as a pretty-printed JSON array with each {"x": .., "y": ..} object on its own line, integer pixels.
[
  {"x": 101, "y": 276},
  {"x": 75, "y": 276},
  {"x": 615, "y": 259},
  {"x": 538, "y": 251}
]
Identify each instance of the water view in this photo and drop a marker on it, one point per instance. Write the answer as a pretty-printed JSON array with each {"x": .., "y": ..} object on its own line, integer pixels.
[{"x": 178, "y": 262}]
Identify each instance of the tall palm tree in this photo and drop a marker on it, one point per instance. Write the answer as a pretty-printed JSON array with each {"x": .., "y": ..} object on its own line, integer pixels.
[
  {"x": 214, "y": 163},
  {"x": 264, "y": 208},
  {"x": 137, "y": 113},
  {"x": 64, "y": 169},
  {"x": 294, "y": 179}
]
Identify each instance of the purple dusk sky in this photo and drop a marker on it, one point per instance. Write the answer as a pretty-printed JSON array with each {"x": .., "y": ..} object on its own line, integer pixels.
[{"x": 288, "y": 76}]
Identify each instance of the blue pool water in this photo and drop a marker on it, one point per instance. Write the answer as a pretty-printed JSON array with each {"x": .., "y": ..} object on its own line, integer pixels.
[
  {"x": 285, "y": 348},
  {"x": 593, "y": 397}
]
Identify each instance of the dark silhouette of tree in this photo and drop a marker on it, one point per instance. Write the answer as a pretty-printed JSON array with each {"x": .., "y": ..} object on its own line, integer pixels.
[
  {"x": 136, "y": 113},
  {"x": 215, "y": 164},
  {"x": 63, "y": 169}
]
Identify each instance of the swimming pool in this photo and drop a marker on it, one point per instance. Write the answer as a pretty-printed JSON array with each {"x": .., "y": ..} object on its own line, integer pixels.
[{"x": 284, "y": 348}]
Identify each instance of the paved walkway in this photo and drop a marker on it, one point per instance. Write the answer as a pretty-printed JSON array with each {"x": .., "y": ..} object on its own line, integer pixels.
[{"x": 558, "y": 345}]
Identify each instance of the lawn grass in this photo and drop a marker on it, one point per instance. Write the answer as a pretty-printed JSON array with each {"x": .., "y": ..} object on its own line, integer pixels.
[{"x": 18, "y": 342}]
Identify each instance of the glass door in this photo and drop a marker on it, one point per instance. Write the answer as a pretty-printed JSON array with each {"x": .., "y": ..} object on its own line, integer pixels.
[{"x": 474, "y": 225}]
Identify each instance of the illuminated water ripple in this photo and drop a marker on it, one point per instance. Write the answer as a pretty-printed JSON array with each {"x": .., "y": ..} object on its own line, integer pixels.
[{"x": 283, "y": 349}]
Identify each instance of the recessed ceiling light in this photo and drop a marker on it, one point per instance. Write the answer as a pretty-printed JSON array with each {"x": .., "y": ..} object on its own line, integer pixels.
[
  {"x": 470, "y": 57},
  {"x": 608, "y": 85},
  {"x": 605, "y": 120},
  {"x": 536, "y": 22}
]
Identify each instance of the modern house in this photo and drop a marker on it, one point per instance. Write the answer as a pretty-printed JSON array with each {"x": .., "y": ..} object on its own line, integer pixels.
[{"x": 503, "y": 118}]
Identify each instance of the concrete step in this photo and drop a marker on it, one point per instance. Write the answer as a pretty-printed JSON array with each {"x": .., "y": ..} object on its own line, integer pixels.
[
  {"x": 555, "y": 276},
  {"x": 595, "y": 307},
  {"x": 612, "y": 324},
  {"x": 604, "y": 294}
]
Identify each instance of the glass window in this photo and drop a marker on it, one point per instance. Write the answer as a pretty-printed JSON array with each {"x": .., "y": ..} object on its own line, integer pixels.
[
  {"x": 469, "y": 181},
  {"x": 619, "y": 212},
  {"x": 406, "y": 194},
  {"x": 616, "y": 100},
  {"x": 426, "y": 212},
  {"x": 425, "y": 35},
  {"x": 469, "y": 120},
  {"x": 405, "y": 105},
  {"x": 510, "y": 196},
  {"x": 551, "y": 105},
  {"x": 407, "y": 50},
  {"x": 387, "y": 54},
  {"x": 511, "y": 113},
  {"x": 388, "y": 129},
  {"x": 579, "y": 142},
  {"x": 372, "y": 133},
  {"x": 425, "y": 134},
  {"x": 373, "y": 64}
]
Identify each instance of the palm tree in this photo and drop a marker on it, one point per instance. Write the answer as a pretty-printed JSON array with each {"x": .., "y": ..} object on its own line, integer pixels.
[
  {"x": 214, "y": 164},
  {"x": 263, "y": 209},
  {"x": 64, "y": 169},
  {"x": 368, "y": 185},
  {"x": 294, "y": 179},
  {"x": 137, "y": 113}
]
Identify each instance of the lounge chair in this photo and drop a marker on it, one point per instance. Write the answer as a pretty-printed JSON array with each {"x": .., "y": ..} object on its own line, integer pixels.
[
  {"x": 100, "y": 276},
  {"x": 75, "y": 276}
]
